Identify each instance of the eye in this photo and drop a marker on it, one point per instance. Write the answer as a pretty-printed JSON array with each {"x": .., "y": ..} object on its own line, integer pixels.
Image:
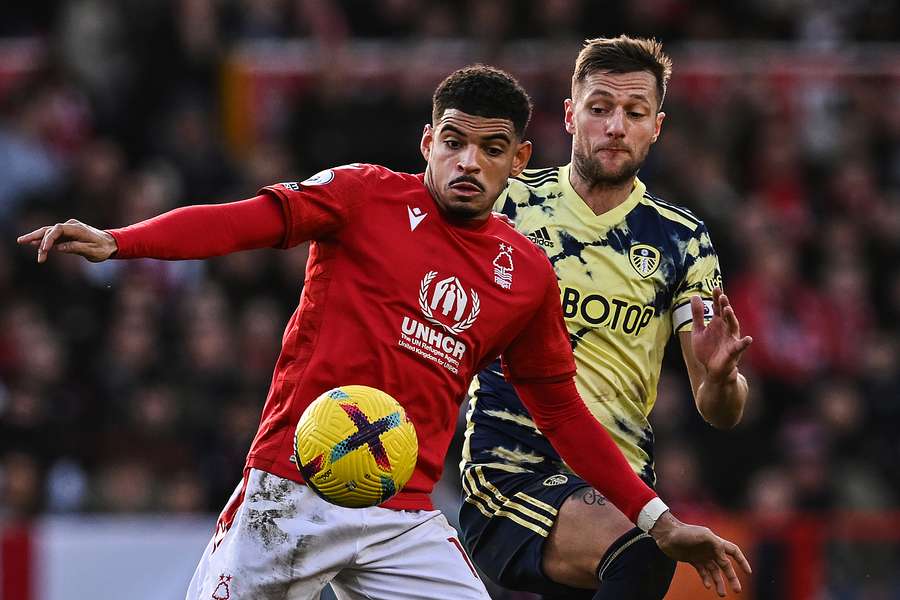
[
  {"x": 494, "y": 151},
  {"x": 598, "y": 110},
  {"x": 636, "y": 115},
  {"x": 453, "y": 144}
]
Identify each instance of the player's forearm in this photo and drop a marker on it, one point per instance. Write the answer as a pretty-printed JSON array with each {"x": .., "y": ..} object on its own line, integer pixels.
[
  {"x": 203, "y": 231},
  {"x": 584, "y": 444},
  {"x": 722, "y": 402}
]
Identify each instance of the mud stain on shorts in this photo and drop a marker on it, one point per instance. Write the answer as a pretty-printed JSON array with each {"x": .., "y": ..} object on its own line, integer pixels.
[{"x": 261, "y": 522}]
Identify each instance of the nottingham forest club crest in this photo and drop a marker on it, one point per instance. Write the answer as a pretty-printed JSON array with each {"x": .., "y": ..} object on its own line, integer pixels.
[
  {"x": 444, "y": 303},
  {"x": 503, "y": 267},
  {"x": 644, "y": 259}
]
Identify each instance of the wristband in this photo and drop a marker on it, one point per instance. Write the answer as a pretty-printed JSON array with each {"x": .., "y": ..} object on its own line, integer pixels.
[{"x": 651, "y": 512}]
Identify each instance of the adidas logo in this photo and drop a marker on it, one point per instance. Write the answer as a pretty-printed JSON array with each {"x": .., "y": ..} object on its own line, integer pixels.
[{"x": 541, "y": 237}]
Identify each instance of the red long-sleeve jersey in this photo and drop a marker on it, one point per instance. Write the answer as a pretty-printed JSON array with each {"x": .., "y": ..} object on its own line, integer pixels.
[{"x": 400, "y": 297}]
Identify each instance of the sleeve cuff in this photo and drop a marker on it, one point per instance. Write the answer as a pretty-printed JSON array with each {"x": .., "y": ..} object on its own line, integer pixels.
[
  {"x": 648, "y": 516},
  {"x": 279, "y": 195},
  {"x": 117, "y": 236}
]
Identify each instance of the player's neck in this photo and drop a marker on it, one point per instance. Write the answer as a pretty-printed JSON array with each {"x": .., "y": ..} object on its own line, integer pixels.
[{"x": 600, "y": 197}]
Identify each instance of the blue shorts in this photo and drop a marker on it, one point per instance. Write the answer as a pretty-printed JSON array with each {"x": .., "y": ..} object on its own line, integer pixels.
[{"x": 506, "y": 518}]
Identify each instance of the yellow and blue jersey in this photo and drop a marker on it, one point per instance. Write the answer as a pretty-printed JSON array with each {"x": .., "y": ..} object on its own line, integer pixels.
[{"x": 626, "y": 278}]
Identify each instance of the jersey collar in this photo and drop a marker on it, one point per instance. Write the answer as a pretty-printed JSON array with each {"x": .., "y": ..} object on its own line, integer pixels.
[{"x": 584, "y": 212}]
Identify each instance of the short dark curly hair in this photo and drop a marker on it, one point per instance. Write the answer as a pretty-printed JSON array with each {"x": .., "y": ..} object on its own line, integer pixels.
[{"x": 483, "y": 91}]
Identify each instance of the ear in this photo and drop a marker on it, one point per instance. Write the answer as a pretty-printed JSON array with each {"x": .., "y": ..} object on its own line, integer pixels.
[
  {"x": 569, "y": 118},
  {"x": 660, "y": 117},
  {"x": 427, "y": 140},
  {"x": 520, "y": 160}
]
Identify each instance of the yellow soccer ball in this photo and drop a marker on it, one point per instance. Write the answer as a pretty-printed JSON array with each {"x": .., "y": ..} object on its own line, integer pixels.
[{"x": 355, "y": 446}]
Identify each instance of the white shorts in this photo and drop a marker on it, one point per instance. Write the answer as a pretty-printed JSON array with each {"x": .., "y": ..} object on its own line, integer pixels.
[{"x": 277, "y": 539}]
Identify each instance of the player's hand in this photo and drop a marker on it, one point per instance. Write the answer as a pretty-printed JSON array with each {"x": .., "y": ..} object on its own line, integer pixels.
[
  {"x": 709, "y": 554},
  {"x": 71, "y": 237},
  {"x": 718, "y": 345}
]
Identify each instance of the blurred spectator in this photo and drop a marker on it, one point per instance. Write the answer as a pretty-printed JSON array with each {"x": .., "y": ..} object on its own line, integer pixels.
[
  {"x": 783, "y": 313},
  {"x": 67, "y": 487},
  {"x": 680, "y": 480},
  {"x": 30, "y": 165},
  {"x": 780, "y": 182},
  {"x": 21, "y": 486},
  {"x": 189, "y": 141},
  {"x": 124, "y": 486},
  {"x": 183, "y": 493},
  {"x": 807, "y": 452},
  {"x": 772, "y": 504}
]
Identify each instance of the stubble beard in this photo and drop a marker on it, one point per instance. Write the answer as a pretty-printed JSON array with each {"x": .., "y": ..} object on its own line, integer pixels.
[
  {"x": 463, "y": 210},
  {"x": 459, "y": 210},
  {"x": 596, "y": 177}
]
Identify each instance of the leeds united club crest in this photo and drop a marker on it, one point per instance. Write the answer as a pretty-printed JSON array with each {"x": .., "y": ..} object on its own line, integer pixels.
[{"x": 644, "y": 258}]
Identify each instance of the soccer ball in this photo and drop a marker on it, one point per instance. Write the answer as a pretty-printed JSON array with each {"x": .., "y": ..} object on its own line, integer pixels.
[{"x": 355, "y": 446}]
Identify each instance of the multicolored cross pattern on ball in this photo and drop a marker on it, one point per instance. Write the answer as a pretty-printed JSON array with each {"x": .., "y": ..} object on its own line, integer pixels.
[{"x": 367, "y": 433}]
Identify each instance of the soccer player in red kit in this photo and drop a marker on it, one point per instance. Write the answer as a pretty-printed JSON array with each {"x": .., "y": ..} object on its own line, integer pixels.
[{"x": 412, "y": 287}]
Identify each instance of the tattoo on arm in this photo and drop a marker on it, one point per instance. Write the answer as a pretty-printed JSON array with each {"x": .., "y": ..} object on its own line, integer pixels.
[{"x": 592, "y": 497}]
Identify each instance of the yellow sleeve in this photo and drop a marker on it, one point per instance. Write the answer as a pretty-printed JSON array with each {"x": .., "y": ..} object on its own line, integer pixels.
[{"x": 702, "y": 275}]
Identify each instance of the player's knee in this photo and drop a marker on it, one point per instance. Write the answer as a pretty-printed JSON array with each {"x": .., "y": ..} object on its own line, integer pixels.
[{"x": 637, "y": 559}]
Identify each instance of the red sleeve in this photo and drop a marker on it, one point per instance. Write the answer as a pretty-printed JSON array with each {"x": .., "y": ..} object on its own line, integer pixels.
[
  {"x": 542, "y": 351},
  {"x": 203, "y": 231},
  {"x": 323, "y": 204},
  {"x": 584, "y": 444}
]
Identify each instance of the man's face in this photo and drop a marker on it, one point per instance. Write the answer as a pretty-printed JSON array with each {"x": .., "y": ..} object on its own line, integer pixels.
[
  {"x": 613, "y": 119},
  {"x": 469, "y": 160}
]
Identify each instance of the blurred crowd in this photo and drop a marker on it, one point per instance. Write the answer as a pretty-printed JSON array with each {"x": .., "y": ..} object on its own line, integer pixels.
[
  {"x": 137, "y": 386},
  {"x": 827, "y": 21}
]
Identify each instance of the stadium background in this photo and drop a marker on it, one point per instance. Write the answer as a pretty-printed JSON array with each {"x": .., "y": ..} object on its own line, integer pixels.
[{"x": 129, "y": 392}]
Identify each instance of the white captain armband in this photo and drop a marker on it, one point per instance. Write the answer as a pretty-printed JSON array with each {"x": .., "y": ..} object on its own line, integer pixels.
[{"x": 682, "y": 315}]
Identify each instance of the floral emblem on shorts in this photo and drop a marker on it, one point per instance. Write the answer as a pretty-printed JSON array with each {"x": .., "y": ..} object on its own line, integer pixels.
[{"x": 222, "y": 591}]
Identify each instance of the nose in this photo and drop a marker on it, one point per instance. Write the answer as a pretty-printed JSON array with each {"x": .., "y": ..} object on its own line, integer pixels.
[
  {"x": 467, "y": 159},
  {"x": 615, "y": 125}
]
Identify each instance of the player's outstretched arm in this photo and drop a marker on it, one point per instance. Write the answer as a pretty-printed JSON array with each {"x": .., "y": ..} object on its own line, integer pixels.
[
  {"x": 587, "y": 447},
  {"x": 710, "y": 555},
  {"x": 71, "y": 237},
  {"x": 712, "y": 352},
  {"x": 545, "y": 384},
  {"x": 191, "y": 232}
]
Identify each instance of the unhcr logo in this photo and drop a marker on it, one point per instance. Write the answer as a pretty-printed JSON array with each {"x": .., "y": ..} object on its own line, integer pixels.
[{"x": 449, "y": 297}]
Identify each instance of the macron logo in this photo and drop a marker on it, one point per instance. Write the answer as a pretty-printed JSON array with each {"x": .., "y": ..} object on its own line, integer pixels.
[{"x": 416, "y": 216}]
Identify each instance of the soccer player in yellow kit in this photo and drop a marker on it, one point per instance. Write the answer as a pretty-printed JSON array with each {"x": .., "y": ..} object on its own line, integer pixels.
[{"x": 632, "y": 270}]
